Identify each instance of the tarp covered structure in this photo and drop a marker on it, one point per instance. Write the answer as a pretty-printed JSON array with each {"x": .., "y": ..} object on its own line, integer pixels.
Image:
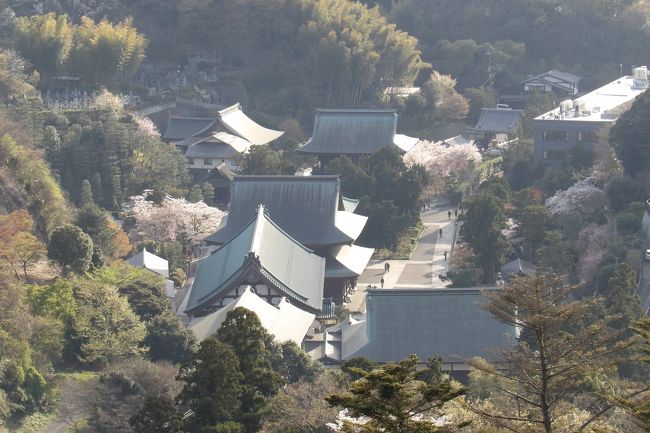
[{"x": 234, "y": 119}]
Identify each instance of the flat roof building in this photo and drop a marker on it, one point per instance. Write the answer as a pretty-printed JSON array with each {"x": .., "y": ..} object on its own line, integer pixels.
[{"x": 578, "y": 121}]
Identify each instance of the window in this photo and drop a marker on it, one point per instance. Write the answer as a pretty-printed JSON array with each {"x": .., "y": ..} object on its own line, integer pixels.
[
  {"x": 207, "y": 161},
  {"x": 554, "y": 155},
  {"x": 556, "y": 136},
  {"x": 191, "y": 161},
  {"x": 589, "y": 136}
]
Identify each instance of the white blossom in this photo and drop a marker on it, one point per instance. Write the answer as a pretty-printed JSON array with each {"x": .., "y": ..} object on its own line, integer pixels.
[
  {"x": 442, "y": 160},
  {"x": 146, "y": 126},
  {"x": 582, "y": 197},
  {"x": 173, "y": 218}
]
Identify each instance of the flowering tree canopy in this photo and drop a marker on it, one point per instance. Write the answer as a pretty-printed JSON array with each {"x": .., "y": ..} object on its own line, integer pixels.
[
  {"x": 173, "y": 218},
  {"x": 442, "y": 160},
  {"x": 146, "y": 126},
  {"x": 583, "y": 197}
]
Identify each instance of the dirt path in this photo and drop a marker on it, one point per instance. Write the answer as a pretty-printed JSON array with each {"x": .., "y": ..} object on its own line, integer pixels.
[{"x": 74, "y": 393}]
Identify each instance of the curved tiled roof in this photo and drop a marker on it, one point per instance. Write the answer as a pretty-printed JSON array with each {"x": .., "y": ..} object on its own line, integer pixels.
[{"x": 305, "y": 207}]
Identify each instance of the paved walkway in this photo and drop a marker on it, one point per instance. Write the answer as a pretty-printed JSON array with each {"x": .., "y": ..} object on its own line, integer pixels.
[{"x": 426, "y": 263}]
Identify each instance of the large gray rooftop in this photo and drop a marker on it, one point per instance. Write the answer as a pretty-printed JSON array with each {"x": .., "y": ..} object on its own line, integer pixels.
[
  {"x": 180, "y": 128},
  {"x": 428, "y": 322},
  {"x": 296, "y": 271},
  {"x": 306, "y": 207},
  {"x": 499, "y": 120},
  {"x": 355, "y": 132}
]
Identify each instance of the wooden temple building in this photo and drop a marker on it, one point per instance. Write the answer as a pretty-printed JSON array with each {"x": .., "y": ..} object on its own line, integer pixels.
[
  {"x": 310, "y": 210},
  {"x": 355, "y": 132},
  {"x": 208, "y": 142}
]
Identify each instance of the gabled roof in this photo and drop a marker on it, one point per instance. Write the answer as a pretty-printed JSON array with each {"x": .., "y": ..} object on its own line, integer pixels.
[
  {"x": 458, "y": 140},
  {"x": 147, "y": 260},
  {"x": 445, "y": 322},
  {"x": 180, "y": 128},
  {"x": 234, "y": 119},
  {"x": 556, "y": 78},
  {"x": 355, "y": 132},
  {"x": 518, "y": 267},
  {"x": 499, "y": 120},
  {"x": 295, "y": 270},
  {"x": 306, "y": 207},
  {"x": 285, "y": 321}
]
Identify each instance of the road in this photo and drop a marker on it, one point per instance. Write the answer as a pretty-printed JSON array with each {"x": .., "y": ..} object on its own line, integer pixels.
[{"x": 427, "y": 261}]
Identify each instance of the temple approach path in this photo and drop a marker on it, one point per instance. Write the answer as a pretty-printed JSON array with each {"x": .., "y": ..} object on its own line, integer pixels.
[{"x": 426, "y": 262}]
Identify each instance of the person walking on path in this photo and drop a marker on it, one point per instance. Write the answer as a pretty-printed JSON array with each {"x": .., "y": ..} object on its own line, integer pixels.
[
  {"x": 440, "y": 232},
  {"x": 445, "y": 254},
  {"x": 382, "y": 282},
  {"x": 449, "y": 214},
  {"x": 386, "y": 267},
  {"x": 456, "y": 213}
]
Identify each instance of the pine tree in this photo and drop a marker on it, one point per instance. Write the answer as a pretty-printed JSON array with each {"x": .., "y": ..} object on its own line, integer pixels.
[
  {"x": 117, "y": 191},
  {"x": 212, "y": 389},
  {"x": 398, "y": 398},
  {"x": 208, "y": 193},
  {"x": 157, "y": 414},
  {"x": 86, "y": 194},
  {"x": 195, "y": 195},
  {"x": 98, "y": 192},
  {"x": 622, "y": 297},
  {"x": 243, "y": 331}
]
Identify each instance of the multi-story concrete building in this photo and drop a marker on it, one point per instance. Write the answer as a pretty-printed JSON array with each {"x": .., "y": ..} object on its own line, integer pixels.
[{"x": 579, "y": 120}]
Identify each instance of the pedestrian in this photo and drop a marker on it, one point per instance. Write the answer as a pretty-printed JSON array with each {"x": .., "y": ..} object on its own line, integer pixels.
[
  {"x": 382, "y": 282},
  {"x": 385, "y": 267},
  {"x": 445, "y": 254},
  {"x": 456, "y": 213},
  {"x": 440, "y": 232},
  {"x": 449, "y": 214}
]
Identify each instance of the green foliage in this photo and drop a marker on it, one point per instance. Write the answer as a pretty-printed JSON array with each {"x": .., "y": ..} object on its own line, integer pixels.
[
  {"x": 555, "y": 256},
  {"x": 195, "y": 194},
  {"x": 95, "y": 223},
  {"x": 397, "y": 397},
  {"x": 629, "y": 136},
  {"x": 106, "y": 145},
  {"x": 483, "y": 222},
  {"x": 261, "y": 160},
  {"x": 46, "y": 199},
  {"x": 143, "y": 289},
  {"x": 168, "y": 340},
  {"x": 293, "y": 364},
  {"x": 207, "y": 191},
  {"x": 622, "y": 297},
  {"x": 352, "y": 366},
  {"x": 71, "y": 248},
  {"x": 53, "y": 300},
  {"x": 86, "y": 194},
  {"x": 621, "y": 191},
  {"x": 158, "y": 413},
  {"x": 105, "y": 325},
  {"x": 99, "y": 52},
  {"x": 213, "y": 388},
  {"x": 243, "y": 331},
  {"x": 629, "y": 221},
  {"x": 534, "y": 221}
]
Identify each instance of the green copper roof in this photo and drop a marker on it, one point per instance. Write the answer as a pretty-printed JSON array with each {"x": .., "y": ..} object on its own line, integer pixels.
[{"x": 295, "y": 270}]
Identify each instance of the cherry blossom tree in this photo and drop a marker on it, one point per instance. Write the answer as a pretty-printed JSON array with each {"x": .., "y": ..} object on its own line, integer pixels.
[
  {"x": 592, "y": 242},
  {"x": 582, "y": 198},
  {"x": 172, "y": 219},
  {"x": 146, "y": 126},
  {"x": 443, "y": 161}
]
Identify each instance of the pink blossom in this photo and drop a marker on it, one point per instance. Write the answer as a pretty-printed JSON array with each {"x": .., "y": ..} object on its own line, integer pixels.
[{"x": 146, "y": 126}]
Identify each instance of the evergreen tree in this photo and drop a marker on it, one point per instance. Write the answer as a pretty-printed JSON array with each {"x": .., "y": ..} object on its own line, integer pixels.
[
  {"x": 195, "y": 195},
  {"x": 560, "y": 353},
  {"x": 157, "y": 414},
  {"x": 71, "y": 248},
  {"x": 52, "y": 145},
  {"x": 168, "y": 340},
  {"x": 622, "y": 297},
  {"x": 98, "y": 192},
  {"x": 212, "y": 388},
  {"x": 482, "y": 228},
  {"x": 208, "y": 193},
  {"x": 86, "y": 194},
  {"x": 243, "y": 331},
  {"x": 117, "y": 191},
  {"x": 397, "y": 398},
  {"x": 95, "y": 223}
]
